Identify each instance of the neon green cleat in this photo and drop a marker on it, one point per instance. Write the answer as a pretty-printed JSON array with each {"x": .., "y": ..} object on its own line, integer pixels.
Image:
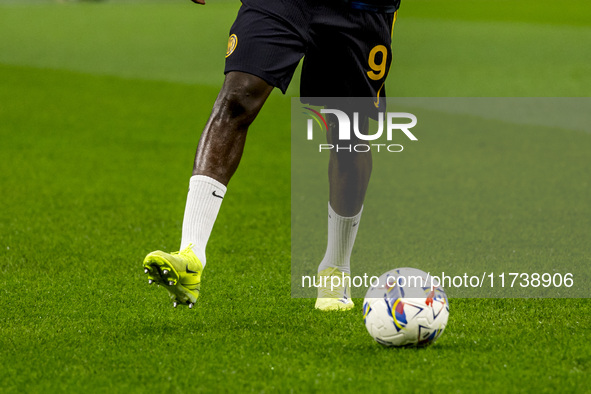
[
  {"x": 339, "y": 297},
  {"x": 178, "y": 272}
]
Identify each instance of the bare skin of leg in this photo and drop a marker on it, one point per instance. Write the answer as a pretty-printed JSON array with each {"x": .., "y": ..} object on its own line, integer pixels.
[
  {"x": 348, "y": 175},
  {"x": 222, "y": 141}
]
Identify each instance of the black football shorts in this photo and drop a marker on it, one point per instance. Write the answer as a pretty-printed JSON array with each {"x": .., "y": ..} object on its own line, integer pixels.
[{"x": 346, "y": 51}]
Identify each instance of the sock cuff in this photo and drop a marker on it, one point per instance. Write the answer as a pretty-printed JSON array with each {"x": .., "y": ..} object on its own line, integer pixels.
[
  {"x": 332, "y": 213},
  {"x": 197, "y": 179}
]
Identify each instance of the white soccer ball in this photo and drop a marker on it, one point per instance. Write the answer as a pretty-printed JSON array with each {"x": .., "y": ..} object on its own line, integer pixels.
[{"x": 405, "y": 310}]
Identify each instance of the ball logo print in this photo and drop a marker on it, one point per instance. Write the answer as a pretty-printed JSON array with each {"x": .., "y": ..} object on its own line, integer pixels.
[{"x": 232, "y": 44}]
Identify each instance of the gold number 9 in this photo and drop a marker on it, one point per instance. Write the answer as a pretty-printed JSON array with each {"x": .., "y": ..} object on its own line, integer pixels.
[{"x": 379, "y": 70}]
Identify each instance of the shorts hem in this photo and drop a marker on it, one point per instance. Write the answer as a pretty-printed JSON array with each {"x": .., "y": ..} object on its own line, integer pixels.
[{"x": 270, "y": 79}]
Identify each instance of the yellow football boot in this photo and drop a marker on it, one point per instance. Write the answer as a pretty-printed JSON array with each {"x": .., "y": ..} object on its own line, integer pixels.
[
  {"x": 178, "y": 272},
  {"x": 334, "y": 298}
]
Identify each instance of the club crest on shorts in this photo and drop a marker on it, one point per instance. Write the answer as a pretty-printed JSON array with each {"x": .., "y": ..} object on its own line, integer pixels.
[{"x": 232, "y": 43}]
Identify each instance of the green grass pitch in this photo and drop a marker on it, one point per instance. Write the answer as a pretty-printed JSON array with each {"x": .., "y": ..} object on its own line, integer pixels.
[{"x": 101, "y": 106}]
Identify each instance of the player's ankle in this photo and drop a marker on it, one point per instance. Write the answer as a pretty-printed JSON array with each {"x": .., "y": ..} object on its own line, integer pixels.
[
  {"x": 342, "y": 267},
  {"x": 199, "y": 253}
]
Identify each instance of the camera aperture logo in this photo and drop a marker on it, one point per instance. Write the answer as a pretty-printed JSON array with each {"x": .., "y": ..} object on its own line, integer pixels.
[{"x": 388, "y": 123}]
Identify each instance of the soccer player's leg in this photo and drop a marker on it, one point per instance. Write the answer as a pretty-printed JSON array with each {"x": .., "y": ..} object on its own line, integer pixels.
[
  {"x": 348, "y": 174},
  {"x": 218, "y": 155},
  {"x": 251, "y": 74},
  {"x": 351, "y": 57}
]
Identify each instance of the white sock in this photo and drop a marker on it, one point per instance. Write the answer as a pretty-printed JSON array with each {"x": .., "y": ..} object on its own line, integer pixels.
[
  {"x": 203, "y": 204},
  {"x": 341, "y": 237}
]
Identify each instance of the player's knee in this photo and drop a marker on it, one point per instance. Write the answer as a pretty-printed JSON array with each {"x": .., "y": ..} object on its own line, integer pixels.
[
  {"x": 241, "y": 104},
  {"x": 348, "y": 160}
]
